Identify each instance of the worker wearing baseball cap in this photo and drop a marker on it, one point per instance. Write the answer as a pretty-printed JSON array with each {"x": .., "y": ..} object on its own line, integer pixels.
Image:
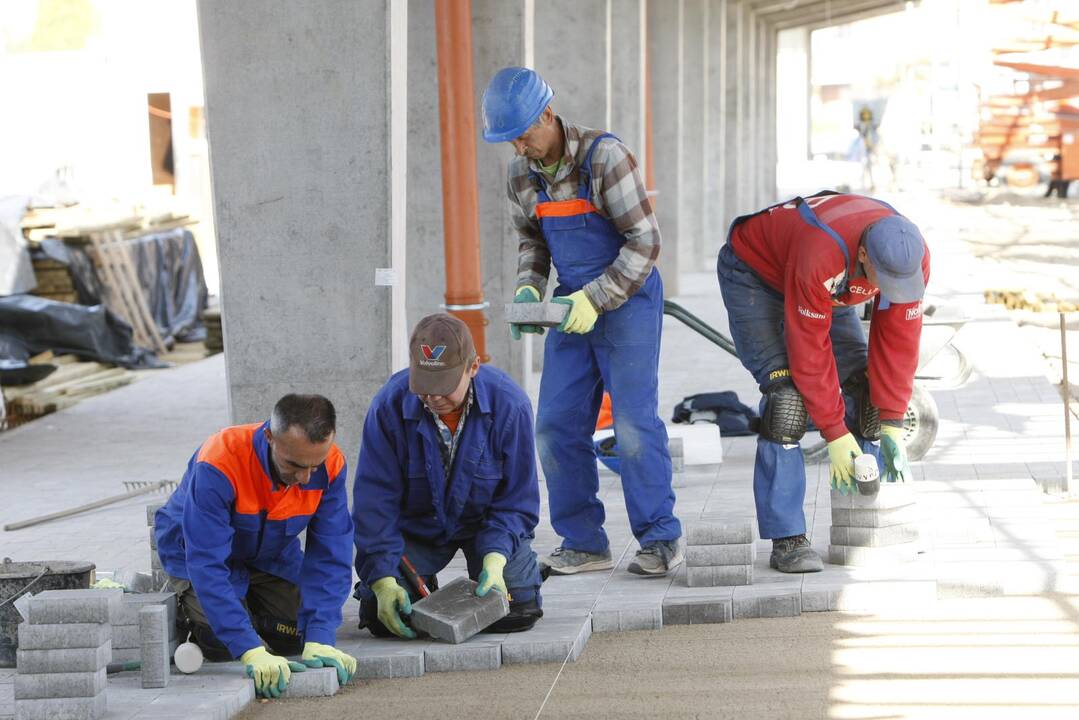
[
  {"x": 790, "y": 276},
  {"x": 447, "y": 462},
  {"x": 577, "y": 201}
]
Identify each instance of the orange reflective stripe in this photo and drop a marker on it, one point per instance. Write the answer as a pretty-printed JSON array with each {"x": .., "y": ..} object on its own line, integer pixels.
[
  {"x": 335, "y": 462},
  {"x": 564, "y": 208}
]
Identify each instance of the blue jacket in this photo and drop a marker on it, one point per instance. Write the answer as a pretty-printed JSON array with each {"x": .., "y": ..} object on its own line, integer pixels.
[
  {"x": 492, "y": 493},
  {"x": 226, "y": 517}
]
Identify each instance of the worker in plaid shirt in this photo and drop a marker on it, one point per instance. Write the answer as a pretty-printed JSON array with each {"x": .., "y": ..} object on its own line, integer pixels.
[{"x": 577, "y": 200}]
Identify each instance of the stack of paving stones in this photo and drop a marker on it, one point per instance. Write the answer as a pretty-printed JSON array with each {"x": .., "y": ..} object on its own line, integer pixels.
[
  {"x": 154, "y": 652},
  {"x": 870, "y": 530},
  {"x": 160, "y": 578},
  {"x": 126, "y": 631},
  {"x": 719, "y": 554},
  {"x": 64, "y": 648}
]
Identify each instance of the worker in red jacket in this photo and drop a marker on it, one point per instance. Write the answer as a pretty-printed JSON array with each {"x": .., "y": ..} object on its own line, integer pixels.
[{"x": 790, "y": 276}]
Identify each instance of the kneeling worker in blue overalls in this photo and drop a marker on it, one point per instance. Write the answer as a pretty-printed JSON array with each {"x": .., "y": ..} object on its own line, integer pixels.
[
  {"x": 228, "y": 539},
  {"x": 790, "y": 276},
  {"x": 576, "y": 198},
  {"x": 447, "y": 463}
]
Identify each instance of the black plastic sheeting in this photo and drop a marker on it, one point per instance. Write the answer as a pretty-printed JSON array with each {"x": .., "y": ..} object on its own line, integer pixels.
[{"x": 31, "y": 325}]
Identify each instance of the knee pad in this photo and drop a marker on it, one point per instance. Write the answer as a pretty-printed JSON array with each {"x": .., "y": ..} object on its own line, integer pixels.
[
  {"x": 784, "y": 419},
  {"x": 867, "y": 416}
]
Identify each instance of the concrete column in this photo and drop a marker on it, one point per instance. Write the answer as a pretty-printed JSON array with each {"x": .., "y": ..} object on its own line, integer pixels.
[
  {"x": 501, "y": 35},
  {"x": 571, "y": 55},
  {"x": 298, "y": 118},
  {"x": 768, "y": 121},
  {"x": 665, "y": 68},
  {"x": 734, "y": 159},
  {"x": 626, "y": 38},
  {"x": 694, "y": 117},
  {"x": 716, "y": 153}
]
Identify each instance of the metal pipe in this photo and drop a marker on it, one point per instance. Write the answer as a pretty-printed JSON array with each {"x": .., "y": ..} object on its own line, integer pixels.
[{"x": 457, "y": 132}]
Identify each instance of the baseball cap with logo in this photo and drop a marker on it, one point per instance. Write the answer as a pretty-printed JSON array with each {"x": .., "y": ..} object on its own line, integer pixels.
[
  {"x": 439, "y": 352},
  {"x": 895, "y": 247}
]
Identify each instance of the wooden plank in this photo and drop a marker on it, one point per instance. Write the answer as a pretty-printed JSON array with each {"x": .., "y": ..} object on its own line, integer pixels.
[{"x": 142, "y": 308}]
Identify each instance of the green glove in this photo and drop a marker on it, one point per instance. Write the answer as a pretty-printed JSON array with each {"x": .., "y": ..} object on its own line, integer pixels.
[
  {"x": 392, "y": 601},
  {"x": 582, "y": 315},
  {"x": 270, "y": 672},
  {"x": 317, "y": 655},
  {"x": 841, "y": 453},
  {"x": 491, "y": 575},
  {"x": 893, "y": 454},
  {"x": 525, "y": 294}
]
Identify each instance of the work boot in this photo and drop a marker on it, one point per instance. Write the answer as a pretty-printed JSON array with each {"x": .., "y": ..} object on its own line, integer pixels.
[
  {"x": 565, "y": 561},
  {"x": 658, "y": 558},
  {"x": 794, "y": 555},
  {"x": 523, "y": 615}
]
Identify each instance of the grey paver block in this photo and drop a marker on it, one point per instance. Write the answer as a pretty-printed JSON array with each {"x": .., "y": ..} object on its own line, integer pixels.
[
  {"x": 453, "y": 613},
  {"x": 622, "y": 619},
  {"x": 697, "y": 611},
  {"x": 872, "y": 517},
  {"x": 125, "y": 636},
  {"x": 63, "y": 661},
  {"x": 74, "y": 606},
  {"x": 59, "y": 685},
  {"x": 467, "y": 656},
  {"x": 676, "y": 448},
  {"x": 313, "y": 682},
  {"x": 546, "y": 314},
  {"x": 891, "y": 495},
  {"x": 548, "y": 641},
  {"x": 57, "y": 636},
  {"x": 719, "y": 575},
  {"x": 84, "y": 708},
  {"x": 874, "y": 537},
  {"x": 763, "y": 601},
  {"x": 727, "y": 554},
  {"x": 154, "y": 645},
  {"x": 868, "y": 556},
  {"x": 155, "y": 560},
  {"x": 719, "y": 533},
  {"x": 390, "y": 664},
  {"x": 151, "y": 509},
  {"x": 133, "y": 602}
]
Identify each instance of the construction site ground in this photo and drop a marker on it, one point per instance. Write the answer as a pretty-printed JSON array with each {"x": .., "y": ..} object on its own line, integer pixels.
[{"x": 983, "y": 624}]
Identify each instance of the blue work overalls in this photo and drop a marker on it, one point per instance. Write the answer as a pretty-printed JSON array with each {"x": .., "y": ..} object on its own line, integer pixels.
[
  {"x": 755, "y": 313},
  {"x": 621, "y": 354}
]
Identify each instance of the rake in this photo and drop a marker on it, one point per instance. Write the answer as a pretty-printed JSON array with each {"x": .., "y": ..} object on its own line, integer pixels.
[{"x": 134, "y": 489}]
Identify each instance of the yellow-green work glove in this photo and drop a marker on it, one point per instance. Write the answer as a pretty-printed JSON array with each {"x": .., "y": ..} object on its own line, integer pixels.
[
  {"x": 491, "y": 575},
  {"x": 271, "y": 673},
  {"x": 841, "y": 453},
  {"x": 525, "y": 294},
  {"x": 317, "y": 655},
  {"x": 581, "y": 317},
  {"x": 893, "y": 454},
  {"x": 392, "y": 601}
]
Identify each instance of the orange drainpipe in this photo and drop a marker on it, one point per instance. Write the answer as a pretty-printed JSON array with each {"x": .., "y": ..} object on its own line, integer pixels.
[{"x": 460, "y": 206}]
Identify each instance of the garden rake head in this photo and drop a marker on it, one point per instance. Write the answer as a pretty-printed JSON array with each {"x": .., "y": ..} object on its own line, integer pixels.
[{"x": 150, "y": 485}]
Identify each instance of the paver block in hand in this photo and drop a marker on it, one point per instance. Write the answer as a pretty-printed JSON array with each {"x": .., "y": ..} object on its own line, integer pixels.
[{"x": 454, "y": 613}]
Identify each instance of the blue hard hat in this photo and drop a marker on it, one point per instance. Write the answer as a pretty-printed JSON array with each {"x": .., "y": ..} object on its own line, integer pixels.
[{"x": 514, "y": 98}]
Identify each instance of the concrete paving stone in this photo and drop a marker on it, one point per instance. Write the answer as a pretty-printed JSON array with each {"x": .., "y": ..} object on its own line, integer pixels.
[
  {"x": 155, "y": 561},
  {"x": 59, "y": 685},
  {"x": 154, "y": 645},
  {"x": 547, "y": 642},
  {"x": 612, "y": 618},
  {"x": 726, "y": 554},
  {"x": 82, "y": 708},
  {"x": 133, "y": 602},
  {"x": 872, "y": 517},
  {"x": 312, "y": 682},
  {"x": 767, "y": 601},
  {"x": 870, "y": 596},
  {"x": 702, "y": 610},
  {"x": 874, "y": 537},
  {"x": 153, "y": 541},
  {"x": 125, "y": 637},
  {"x": 545, "y": 314},
  {"x": 63, "y": 661},
  {"x": 391, "y": 665},
  {"x": 855, "y": 555},
  {"x": 151, "y": 509},
  {"x": 719, "y": 575},
  {"x": 703, "y": 532},
  {"x": 457, "y": 658},
  {"x": 74, "y": 606},
  {"x": 891, "y": 495},
  {"x": 454, "y": 613},
  {"x": 59, "y": 636}
]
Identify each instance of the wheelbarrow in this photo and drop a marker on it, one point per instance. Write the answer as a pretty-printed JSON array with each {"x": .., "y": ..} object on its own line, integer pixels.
[{"x": 940, "y": 364}]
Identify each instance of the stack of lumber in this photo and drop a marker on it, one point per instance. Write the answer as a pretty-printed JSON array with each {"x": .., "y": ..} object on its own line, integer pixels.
[
  {"x": 72, "y": 382},
  {"x": 54, "y": 281}
]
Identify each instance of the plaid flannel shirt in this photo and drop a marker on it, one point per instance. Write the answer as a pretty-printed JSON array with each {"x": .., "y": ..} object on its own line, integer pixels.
[{"x": 618, "y": 194}]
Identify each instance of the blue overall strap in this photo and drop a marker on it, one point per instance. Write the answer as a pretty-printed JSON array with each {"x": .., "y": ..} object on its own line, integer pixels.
[
  {"x": 585, "y": 171},
  {"x": 541, "y": 186},
  {"x": 811, "y": 219}
]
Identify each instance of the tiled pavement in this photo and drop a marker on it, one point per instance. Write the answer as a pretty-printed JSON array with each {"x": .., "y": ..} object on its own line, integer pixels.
[{"x": 985, "y": 529}]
